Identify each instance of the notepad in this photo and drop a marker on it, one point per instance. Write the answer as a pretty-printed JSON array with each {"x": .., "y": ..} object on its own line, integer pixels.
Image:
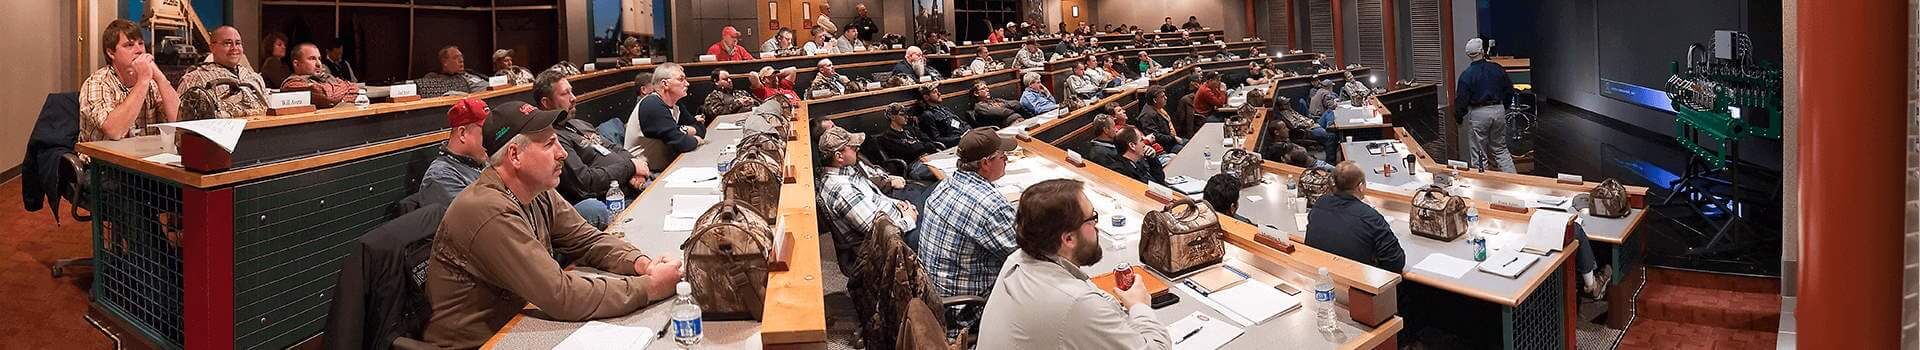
[
  {"x": 693, "y": 177},
  {"x": 602, "y": 335},
  {"x": 1445, "y": 265},
  {"x": 1217, "y": 278},
  {"x": 1508, "y": 264},
  {"x": 1198, "y": 331},
  {"x": 1257, "y": 302}
]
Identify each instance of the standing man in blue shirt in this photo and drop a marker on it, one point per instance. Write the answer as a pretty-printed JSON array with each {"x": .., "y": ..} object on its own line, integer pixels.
[{"x": 1482, "y": 96}]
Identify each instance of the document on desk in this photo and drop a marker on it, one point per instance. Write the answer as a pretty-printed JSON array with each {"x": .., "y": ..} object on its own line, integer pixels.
[
  {"x": 693, "y": 177},
  {"x": 1198, "y": 331},
  {"x": 602, "y": 335},
  {"x": 690, "y": 206},
  {"x": 1546, "y": 232},
  {"x": 1257, "y": 302},
  {"x": 224, "y": 132},
  {"x": 1445, "y": 265}
]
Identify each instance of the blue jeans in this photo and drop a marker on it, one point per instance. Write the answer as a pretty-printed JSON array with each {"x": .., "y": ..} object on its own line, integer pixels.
[
  {"x": 1327, "y": 140},
  {"x": 1326, "y": 118},
  {"x": 595, "y": 212},
  {"x": 614, "y": 130}
]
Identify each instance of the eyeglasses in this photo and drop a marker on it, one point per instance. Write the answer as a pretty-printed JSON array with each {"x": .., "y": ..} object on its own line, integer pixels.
[
  {"x": 1091, "y": 219},
  {"x": 230, "y": 43}
]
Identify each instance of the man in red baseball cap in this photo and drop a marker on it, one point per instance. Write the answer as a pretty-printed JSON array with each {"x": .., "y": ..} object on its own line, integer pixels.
[
  {"x": 461, "y": 158},
  {"x": 729, "y": 49}
]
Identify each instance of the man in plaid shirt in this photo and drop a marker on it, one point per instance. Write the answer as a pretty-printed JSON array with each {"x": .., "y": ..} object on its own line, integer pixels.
[
  {"x": 849, "y": 199},
  {"x": 969, "y": 230}
]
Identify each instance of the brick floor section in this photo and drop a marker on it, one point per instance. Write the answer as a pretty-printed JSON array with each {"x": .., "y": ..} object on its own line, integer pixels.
[
  {"x": 1691, "y": 310},
  {"x": 42, "y": 312}
]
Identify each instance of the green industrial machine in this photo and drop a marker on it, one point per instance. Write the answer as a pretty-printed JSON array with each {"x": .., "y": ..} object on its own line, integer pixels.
[{"x": 1722, "y": 97}]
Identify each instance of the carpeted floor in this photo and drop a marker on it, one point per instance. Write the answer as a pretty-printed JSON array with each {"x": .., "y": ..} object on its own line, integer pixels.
[{"x": 42, "y": 312}]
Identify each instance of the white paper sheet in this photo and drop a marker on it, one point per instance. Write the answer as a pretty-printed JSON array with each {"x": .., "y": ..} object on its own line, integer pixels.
[
  {"x": 1547, "y": 231},
  {"x": 1198, "y": 331},
  {"x": 164, "y": 158},
  {"x": 1445, "y": 265},
  {"x": 223, "y": 132},
  {"x": 602, "y": 335},
  {"x": 1195, "y": 294},
  {"x": 1255, "y": 301},
  {"x": 673, "y": 224},
  {"x": 690, "y": 206},
  {"x": 693, "y": 177}
]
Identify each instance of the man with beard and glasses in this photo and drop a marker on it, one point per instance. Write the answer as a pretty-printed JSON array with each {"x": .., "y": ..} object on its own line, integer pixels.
[
  {"x": 915, "y": 67},
  {"x": 1043, "y": 300}
]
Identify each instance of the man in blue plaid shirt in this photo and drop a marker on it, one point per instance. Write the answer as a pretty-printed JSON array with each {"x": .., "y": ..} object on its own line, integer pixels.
[
  {"x": 850, "y": 200},
  {"x": 968, "y": 231}
]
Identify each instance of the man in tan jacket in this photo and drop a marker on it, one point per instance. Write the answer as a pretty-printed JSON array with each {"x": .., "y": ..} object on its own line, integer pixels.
[{"x": 491, "y": 254}]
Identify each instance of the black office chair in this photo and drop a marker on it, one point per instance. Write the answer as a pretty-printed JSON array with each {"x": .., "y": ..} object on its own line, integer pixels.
[{"x": 52, "y": 171}]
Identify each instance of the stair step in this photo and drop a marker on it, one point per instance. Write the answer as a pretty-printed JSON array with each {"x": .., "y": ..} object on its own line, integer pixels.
[
  {"x": 1661, "y": 334},
  {"x": 1706, "y": 280},
  {"x": 1710, "y": 307}
]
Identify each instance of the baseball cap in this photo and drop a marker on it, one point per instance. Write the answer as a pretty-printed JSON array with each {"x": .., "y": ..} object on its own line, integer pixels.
[
  {"x": 1475, "y": 45},
  {"x": 515, "y": 118},
  {"x": 836, "y": 138},
  {"x": 982, "y": 142},
  {"x": 467, "y": 111},
  {"x": 497, "y": 54}
]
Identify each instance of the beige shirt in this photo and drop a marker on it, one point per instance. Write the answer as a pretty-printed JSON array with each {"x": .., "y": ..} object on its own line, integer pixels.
[
  {"x": 827, "y": 24},
  {"x": 1042, "y": 303},
  {"x": 491, "y": 257}
]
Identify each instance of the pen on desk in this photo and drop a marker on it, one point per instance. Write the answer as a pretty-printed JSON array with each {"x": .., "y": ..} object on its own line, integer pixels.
[
  {"x": 662, "y": 334},
  {"x": 1190, "y": 334},
  {"x": 1510, "y": 262},
  {"x": 1243, "y": 275}
]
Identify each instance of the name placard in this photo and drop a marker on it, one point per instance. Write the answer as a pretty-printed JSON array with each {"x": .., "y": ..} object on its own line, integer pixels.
[
  {"x": 403, "y": 90},
  {"x": 497, "y": 81},
  {"x": 289, "y": 99}
]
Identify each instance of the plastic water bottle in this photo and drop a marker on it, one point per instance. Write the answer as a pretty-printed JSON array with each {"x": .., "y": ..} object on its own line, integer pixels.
[
  {"x": 686, "y": 316},
  {"x": 726, "y": 159},
  {"x": 1323, "y": 307},
  {"x": 1208, "y": 156},
  {"x": 616, "y": 200},
  {"x": 361, "y": 101}
]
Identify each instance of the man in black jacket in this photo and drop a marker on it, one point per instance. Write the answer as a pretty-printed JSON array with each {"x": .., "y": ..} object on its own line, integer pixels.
[
  {"x": 1342, "y": 224},
  {"x": 1133, "y": 161},
  {"x": 593, "y": 165},
  {"x": 935, "y": 121},
  {"x": 864, "y": 23},
  {"x": 900, "y": 141},
  {"x": 1103, "y": 149},
  {"x": 991, "y": 111},
  {"x": 1154, "y": 122}
]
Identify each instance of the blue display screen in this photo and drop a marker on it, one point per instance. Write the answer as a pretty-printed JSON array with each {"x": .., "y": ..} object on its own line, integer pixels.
[{"x": 1635, "y": 94}]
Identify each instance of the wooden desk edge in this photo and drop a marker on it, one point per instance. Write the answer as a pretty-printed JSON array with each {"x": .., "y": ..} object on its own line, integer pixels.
[
  {"x": 189, "y": 179},
  {"x": 1379, "y": 335}
]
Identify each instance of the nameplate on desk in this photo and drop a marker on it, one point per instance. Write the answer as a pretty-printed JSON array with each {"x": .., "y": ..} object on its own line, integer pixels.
[
  {"x": 1507, "y": 203},
  {"x": 1206, "y": 59},
  {"x": 589, "y": 68},
  {"x": 1457, "y": 164},
  {"x": 640, "y": 61},
  {"x": 703, "y": 58},
  {"x": 896, "y": 46},
  {"x": 497, "y": 81},
  {"x": 1160, "y": 193},
  {"x": 1570, "y": 179},
  {"x": 789, "y": 175},
  {"x": 1075, "y": 159},
  {"x": 968, "y": 42},
  {"x": 403, "y": 90},
  {"x": 766, "y": 55},
  {"x": 290, "y": 99}
]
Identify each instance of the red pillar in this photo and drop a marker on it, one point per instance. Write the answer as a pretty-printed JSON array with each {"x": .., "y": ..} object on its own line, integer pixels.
[{"x": 1852, "y": 94}]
